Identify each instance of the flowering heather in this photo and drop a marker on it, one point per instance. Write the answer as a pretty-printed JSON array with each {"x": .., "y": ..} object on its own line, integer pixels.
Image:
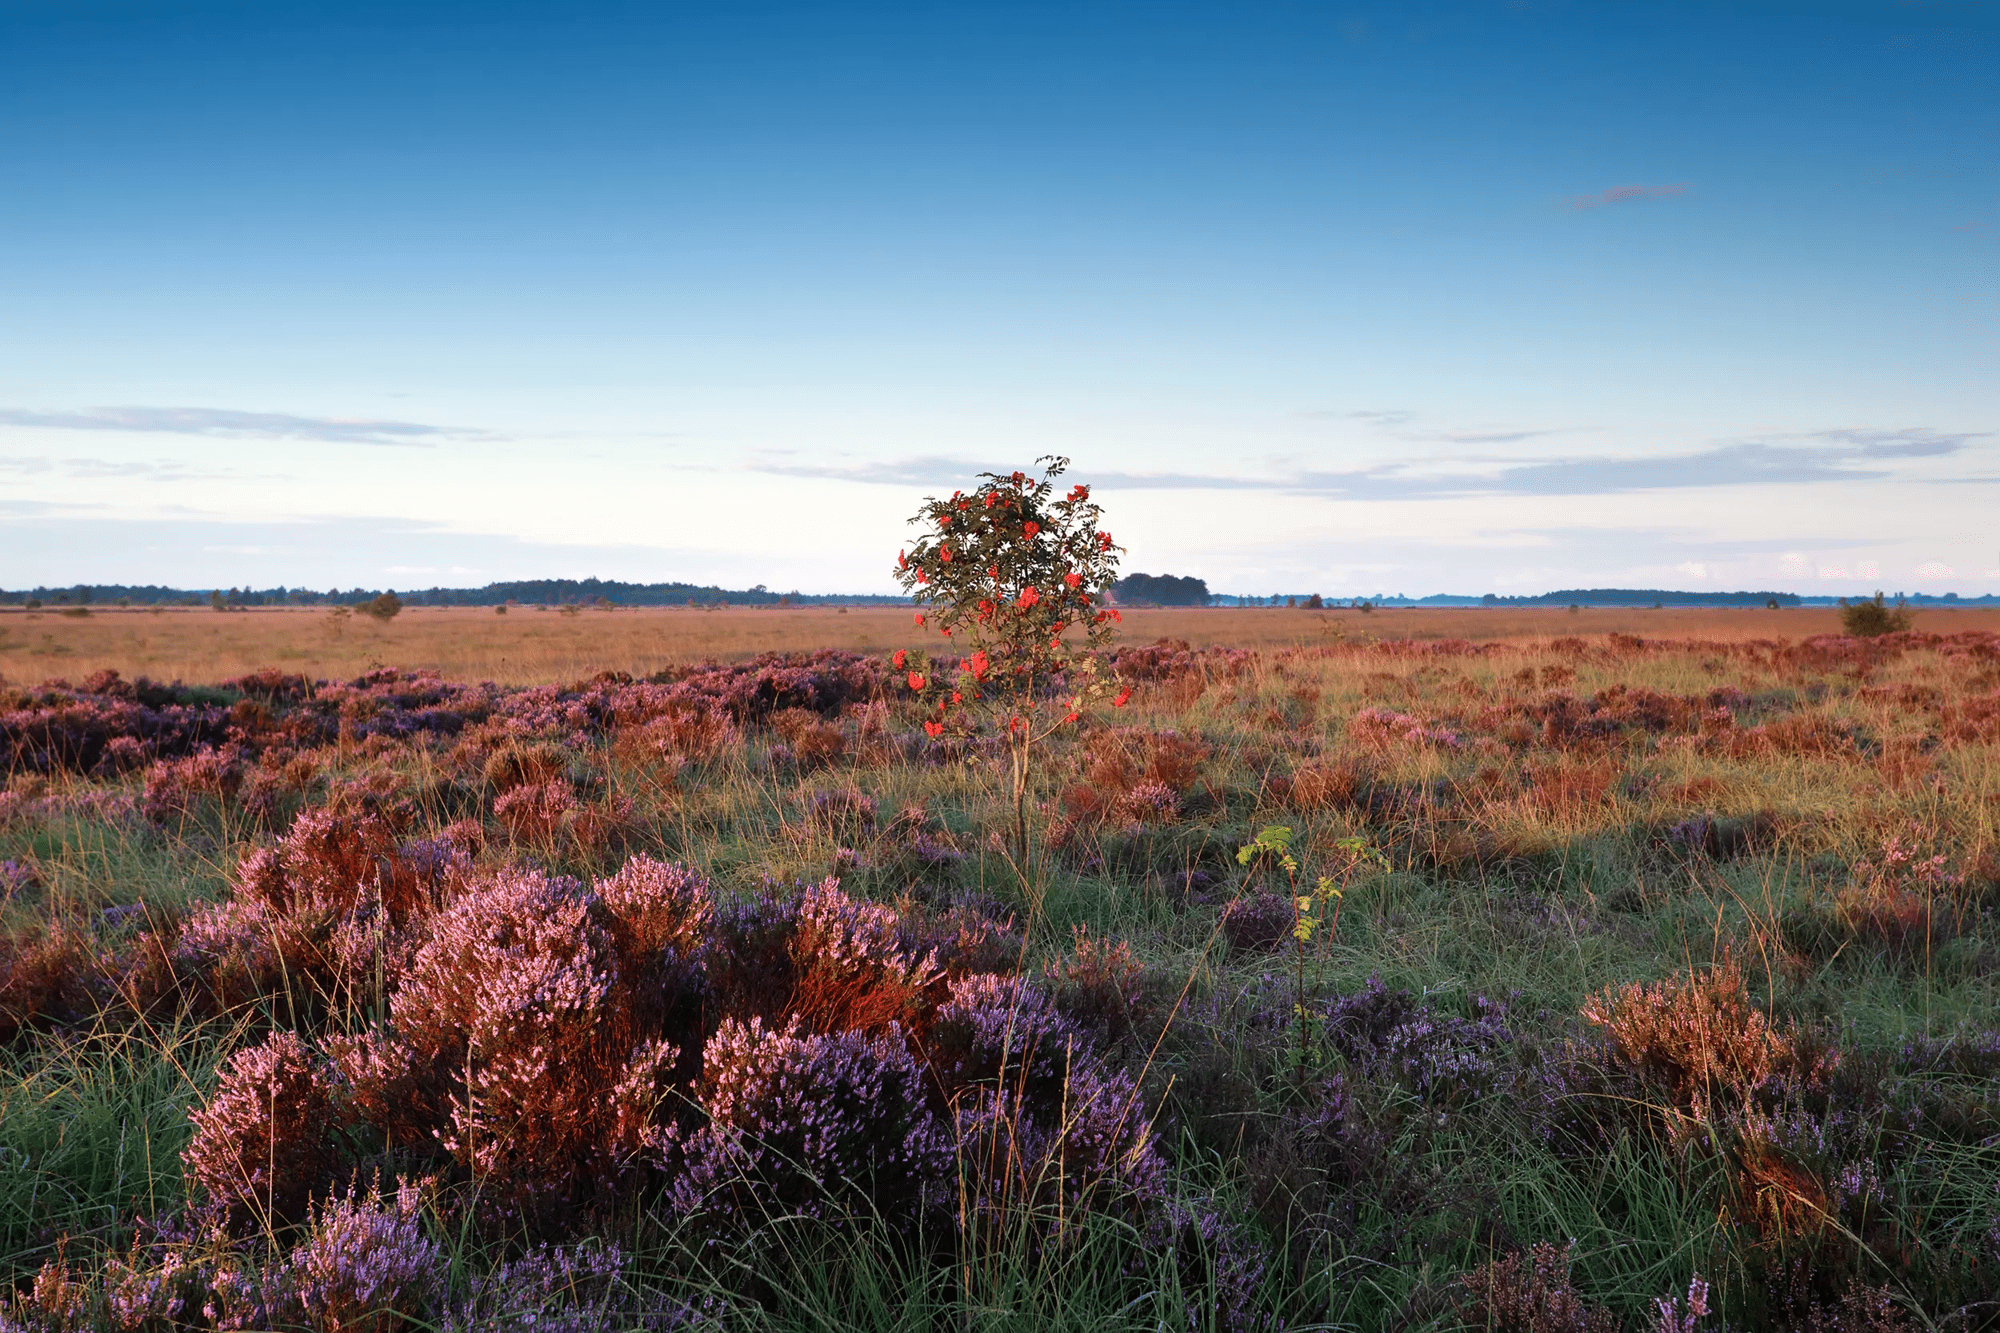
[
  {"x": 1902, "y": 898},
  {"x": 1040, "y": 1123},
  {"x": 1509, "y": 1295},
  {"x": 1439, "y": 1057},
  {"x": 1258, "y": 922},
  {"x": 805, "y": 1122},
  {"x": 1385, "y": 727},
  {"x": 582, "y": 1288},
  {"x": 1004, "y": 1031},
  {"x": 967, "y": 937},
  {"x": 535, "y": 814},
  {"x": 263, "y": 1146},
  {"x": 1165, "y": 659},
  {"x": 56, "y": 729},
  {"x": 1219, "y": 1264},
  {"x": 1101, "y": 986},
  {"x": 844, "y": 812},
  {"x": 346, "y": 938},
  {"x": 175, "y": 786},
  {"x": 850, "y": 966},
  {"x": 1697, "y": 1037},
  {"x": 513, "y": 1042},
  {"x": 1091, "y": 1151},
  {"x": 366, "y": 1264}
]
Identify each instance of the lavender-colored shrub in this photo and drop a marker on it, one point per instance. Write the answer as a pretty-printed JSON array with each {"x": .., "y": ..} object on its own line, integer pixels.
[{"x": 812, "y": 1123}]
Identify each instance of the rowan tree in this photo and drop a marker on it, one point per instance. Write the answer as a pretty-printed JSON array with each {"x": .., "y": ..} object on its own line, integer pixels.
[{"x": 1014, "y": 576}]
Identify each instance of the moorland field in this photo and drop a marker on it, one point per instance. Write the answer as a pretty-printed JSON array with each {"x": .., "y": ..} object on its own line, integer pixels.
[{"x": 1618, "y": 969}]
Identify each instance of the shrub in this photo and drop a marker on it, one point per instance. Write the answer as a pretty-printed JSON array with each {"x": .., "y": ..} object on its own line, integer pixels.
[
  {"x": 812, "y": 1123},
  {"x": 1696, "y": 1038},
  {"x": 50, "y": 975},
  {"x": 1510, "y": 1296},
  {"x": 365, "y": 1264},
  {"x": 851, "y": 967},
  {"x": 264, "y": 1144},
  {"x": 1007, "y": 570},
  {"x": 530, "y": 1037},
  {"x": 1866, "y": 618},
  {"x": 384, "y": 608},
  {"x": 1043, "y": 1130}
]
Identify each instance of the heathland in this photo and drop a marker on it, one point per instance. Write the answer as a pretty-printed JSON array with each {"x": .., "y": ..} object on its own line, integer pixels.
[{"x": 1502, "y": 969}]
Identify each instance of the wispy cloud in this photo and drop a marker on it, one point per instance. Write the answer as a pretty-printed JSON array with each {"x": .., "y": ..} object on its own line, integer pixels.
[
  {"x": 925, "y": 471},
  {"x": 1399, "y": 425},
  {"x": 1627, "y": 194},
  {"x": 1803, "y": 459},
  {"x": 227, "y": 424},
  {"x": 1915, "y": 442},
  {"x": 156, "y": 470}
]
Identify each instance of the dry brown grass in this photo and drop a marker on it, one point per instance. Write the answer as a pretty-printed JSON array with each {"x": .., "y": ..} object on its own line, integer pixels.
[{"x": 531, "y": 647}]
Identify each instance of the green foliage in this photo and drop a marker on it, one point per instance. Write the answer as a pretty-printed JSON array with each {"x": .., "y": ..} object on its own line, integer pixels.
[
  {"x": 1006, "y": 573},
  {"x": 386, "y": 607},
  {"x": 1867, "y": 617}
]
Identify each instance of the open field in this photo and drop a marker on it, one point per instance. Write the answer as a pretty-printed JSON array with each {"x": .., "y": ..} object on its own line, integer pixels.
[
  {"x": 527, "y": 646},
  {"x": 1623, "y": 953}
]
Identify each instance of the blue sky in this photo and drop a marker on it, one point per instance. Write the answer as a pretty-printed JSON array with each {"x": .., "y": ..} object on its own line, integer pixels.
[{"x": 1369, "y": 298}]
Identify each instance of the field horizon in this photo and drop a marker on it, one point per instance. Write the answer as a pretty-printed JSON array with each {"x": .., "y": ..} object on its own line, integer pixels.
[{"x": 530, "y": 646}]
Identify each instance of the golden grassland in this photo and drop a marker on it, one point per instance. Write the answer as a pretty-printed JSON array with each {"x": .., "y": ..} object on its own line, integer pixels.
[{"x": 527, "y": 646}]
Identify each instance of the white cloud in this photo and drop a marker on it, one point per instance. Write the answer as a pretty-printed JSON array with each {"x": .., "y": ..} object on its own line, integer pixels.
[
  {"x": 1694, "y": 569},
  {"x": 1868, "y": 569},
  {"x": 227, "y": 423},
  {"x": 1934, "y": 569}
]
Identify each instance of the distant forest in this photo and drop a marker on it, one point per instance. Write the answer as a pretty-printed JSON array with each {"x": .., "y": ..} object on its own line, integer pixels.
[
  {"x": 1132, "y": 590},
  {"x": 1160, "y": 590},
  {"x": 540, "y": 592}
]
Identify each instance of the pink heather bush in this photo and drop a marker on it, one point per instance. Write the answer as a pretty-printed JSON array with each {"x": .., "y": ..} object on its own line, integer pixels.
[
  {"x": 853, "y": 972},
  {"x": 175, "y": 787},
  {"x": 1039, "y": 1121},
  {"x": 264, "y": 1146},
  {"x": 803, "y": 1122},
  {"x": 536, "y": 1031},
  {"x": 1386, "y": 727},
  {"x": 535, "y": 814},
  {"x": 996, "y": 1030},
  {"x": 331, "y": 907},
  {"x": 365, "y": 1265},
  {"x": 1508, "y": 1296}
]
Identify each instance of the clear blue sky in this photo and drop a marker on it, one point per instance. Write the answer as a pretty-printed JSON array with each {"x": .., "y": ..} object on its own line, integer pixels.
[{"x": 1354, "y": 298}]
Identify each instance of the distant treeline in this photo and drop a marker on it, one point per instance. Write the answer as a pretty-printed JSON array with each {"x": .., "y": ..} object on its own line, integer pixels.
[
  {"x": 1643, "y": 597},
  {"x": 552, "y": 592},
  {"x": 1160, "y": 590},
  {"x": 1133, "y": 589}
]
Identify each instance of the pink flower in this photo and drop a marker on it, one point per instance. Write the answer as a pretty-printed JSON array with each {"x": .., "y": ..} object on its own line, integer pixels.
[
  {"x": 916, "y": 681},
  {"x": 899, "y": 658}
]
